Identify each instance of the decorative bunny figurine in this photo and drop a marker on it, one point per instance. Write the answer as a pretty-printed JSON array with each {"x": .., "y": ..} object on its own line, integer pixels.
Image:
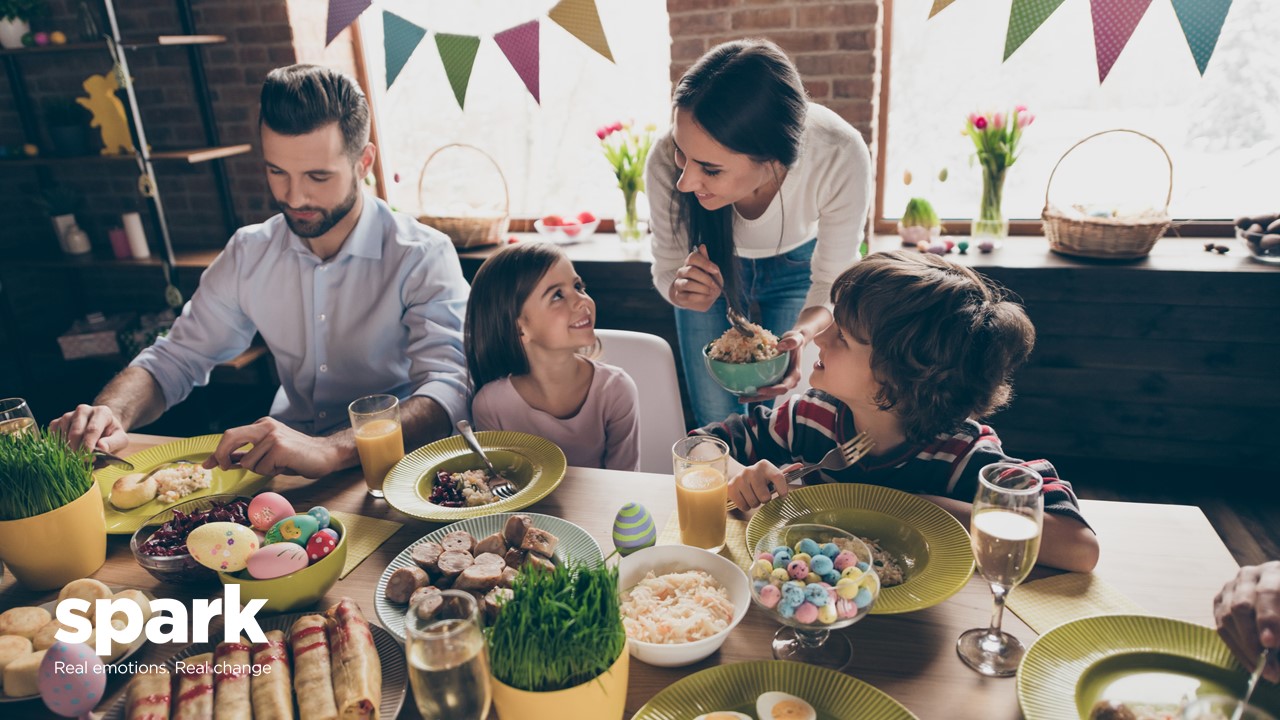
[{"x": 108, "y": 113}]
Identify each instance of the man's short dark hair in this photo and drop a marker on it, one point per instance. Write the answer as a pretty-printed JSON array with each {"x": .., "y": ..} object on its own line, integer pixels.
[{"x": 300, "y": 99}]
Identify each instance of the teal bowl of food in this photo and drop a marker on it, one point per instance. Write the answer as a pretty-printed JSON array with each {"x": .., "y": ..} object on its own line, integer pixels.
[{"x": 741, "y": 364}]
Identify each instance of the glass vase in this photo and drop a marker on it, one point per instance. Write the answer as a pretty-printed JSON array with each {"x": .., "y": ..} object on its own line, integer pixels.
[
  {"x": 991, "y": 224},
  {"x": 628, "y": 226}
]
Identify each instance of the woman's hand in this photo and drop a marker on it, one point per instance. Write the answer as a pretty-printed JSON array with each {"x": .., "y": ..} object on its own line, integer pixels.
[
  {"x": 756, "y": 485},
  {"x": 698, "y": 282},
  {"x": 1247, "y": 611}
]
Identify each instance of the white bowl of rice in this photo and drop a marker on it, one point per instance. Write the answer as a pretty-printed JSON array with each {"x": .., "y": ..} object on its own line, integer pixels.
[{"x": 680, "y": 603}]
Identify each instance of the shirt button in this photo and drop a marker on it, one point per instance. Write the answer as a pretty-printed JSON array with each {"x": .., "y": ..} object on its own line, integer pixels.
[
  {"x": 324, "y": 368},
  {"x": 323, "y": 268},
  {"x": 322, "y": 317},
  {"x": 323, "y": 414}
]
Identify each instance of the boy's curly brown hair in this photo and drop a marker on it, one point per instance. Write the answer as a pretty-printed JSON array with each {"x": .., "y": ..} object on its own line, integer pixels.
[{"x": 944, "y": 339}]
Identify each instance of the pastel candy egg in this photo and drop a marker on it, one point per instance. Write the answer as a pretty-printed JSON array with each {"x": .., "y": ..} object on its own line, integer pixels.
[
  {"x": 780, "y": 559},
  {"x": 871, "y": 582},
  {"x": 798, "y": 569},
  {"x": 793, "y": 593},
  {"x": 816, "y": 594},
  {"x": 812, "y": 578},
  {"x": 320, "y": 545},
  {"x": 765, "y": 556},
  {"x": 863, "y": 598},
  {"x": 276, "y": 560},
  {"x": 846, "y": 608},
  {"x": 830, "y": 550},
  {"x": 852, "y": 572},
  {"x": 321, "y": 514},
  {"x": 780, "y": 574},
  {"x": 633, "y": 529},
  {"x": 222, "y": 546},
  {"x": 808, "y": 546},
  {"x": 831, "y": 578},
  {"x": 821, "y": 564},
  {"x": 847, "y": 588},
  {"x": 761, "y": 569},
  {"x": 327, "y": 531},
  {"x": 759, "y": 585},
  {"x": 863, "y": 566},
  {"x": 786, "y": 610},
  {"x": 780, "y": 549},
  {"x": 769, "y": 596},
  {"x": 268, "y": 508},
  {"x": 806, "y": 557},
  {"x": 827, "y": 614},
  {"x": 845, "y": 559},
  {"x": 71, "y": 679},
  {"x": 807, "y": 613},
  {"x": 296, "y": 529}
]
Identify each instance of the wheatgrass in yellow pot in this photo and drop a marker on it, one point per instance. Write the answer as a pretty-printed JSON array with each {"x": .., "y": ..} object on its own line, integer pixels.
[
  {"x": 52, "y": 525},
  {"x": 557, "y": 648}
]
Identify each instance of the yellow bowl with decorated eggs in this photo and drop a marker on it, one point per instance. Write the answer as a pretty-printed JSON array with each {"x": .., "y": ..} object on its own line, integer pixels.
[{"x": 297, "y": 590}]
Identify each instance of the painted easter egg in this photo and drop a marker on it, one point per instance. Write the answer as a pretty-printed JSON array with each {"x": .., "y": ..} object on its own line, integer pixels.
[
  {"x": 633, "y": 529},
  {"x": 321, "y": 514},
  {"x": 321, "y": 544},
  {"x": 268, "y": 508},
  {"x": 276, "y": 560},
  {"x": 222, "y": 546},
  {"x": 296, "y": 529},
  {"x": 71, "y": 679}
]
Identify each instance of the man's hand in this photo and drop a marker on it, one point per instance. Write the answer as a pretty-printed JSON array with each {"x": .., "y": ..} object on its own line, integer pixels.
[
  {"x": 93, "y": 427},
  {"x": 277, "y": 449},
  {"x": 1247, "y": 612}
]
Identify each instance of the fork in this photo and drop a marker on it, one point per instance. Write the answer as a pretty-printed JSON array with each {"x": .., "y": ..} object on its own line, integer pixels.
[
  {"x": 501, "y": 485},
  {"x": 107, "y": 458},
  {"x": 840, "y": 457}
]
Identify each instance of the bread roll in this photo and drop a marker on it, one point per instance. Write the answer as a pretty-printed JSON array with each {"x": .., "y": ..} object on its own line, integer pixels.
[
  {"x": 22, "y": 675},
  {"x": 24, "y": 621},
  {"x": 133, "y": 490}
]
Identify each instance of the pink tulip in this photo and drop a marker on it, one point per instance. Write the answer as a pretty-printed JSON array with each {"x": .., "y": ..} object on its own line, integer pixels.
[
  {"x": 973, "y": 118},
  {"x": 1020, "y": 109},
  {"x": 602, "y": 133},
  {"x": 980, "y": 123},
  {"x": 1025, "y": 120},
  {"x": 997, "y": 121},
  {"x": 615, "y": 127}
]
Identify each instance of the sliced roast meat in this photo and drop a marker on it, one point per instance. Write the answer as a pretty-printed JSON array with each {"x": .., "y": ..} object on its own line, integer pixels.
[
  {"x": 508, "y": 578},
  {"x": 425, "y": 555},
  {"x": 538, "y": 560},
  {"x": 492, "y": 544},
  {"x": 403, "y": 582},
  {"x": 514, "y": 558},
  {"x": 540, "y": 541},
  {"x": 459, "y": 540},
  {"x": 479, "y": 577},
  {"x": 490, "y": 559},
  {"x": 453, "y": 562},
  {"x": 430, "y": 601},
  {"x": 493, "y": 602},
  {"x": 515, "y": 529}
]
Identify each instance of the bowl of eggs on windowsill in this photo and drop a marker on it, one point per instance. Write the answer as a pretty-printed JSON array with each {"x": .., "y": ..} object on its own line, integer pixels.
[
  {"x": 567, "y": 229},
  {"x": 1260, "y": 235}
]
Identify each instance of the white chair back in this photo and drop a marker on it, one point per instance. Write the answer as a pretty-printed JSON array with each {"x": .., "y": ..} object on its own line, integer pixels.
[{"x": 649, "y": 361}]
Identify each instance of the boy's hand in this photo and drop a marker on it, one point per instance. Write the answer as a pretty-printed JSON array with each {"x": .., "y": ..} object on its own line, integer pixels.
[
  {"x": 1247, "y": 611},
  {"x": 698, "y": 282},
  {"x": 756, "y": 485}
]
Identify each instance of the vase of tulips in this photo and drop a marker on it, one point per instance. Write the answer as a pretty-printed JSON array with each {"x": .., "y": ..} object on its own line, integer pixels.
[
  {"x": 627, "y": 150},
  {"x": 995, "y": 139}
]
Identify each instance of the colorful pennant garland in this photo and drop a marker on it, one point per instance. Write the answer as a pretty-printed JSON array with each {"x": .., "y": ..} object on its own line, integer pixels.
[
  {"x": 341, "y": 14},
  {"x": 1113, "y": 24},
  {"x": 400, "y": 38}
]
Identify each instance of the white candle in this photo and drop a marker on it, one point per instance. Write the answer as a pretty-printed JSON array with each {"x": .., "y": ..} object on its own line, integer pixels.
[{"x": 137, "y": 236}]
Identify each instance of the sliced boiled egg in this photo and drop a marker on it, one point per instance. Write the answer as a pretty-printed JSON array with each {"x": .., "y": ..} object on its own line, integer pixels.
[{"x": 781, "y": 706}]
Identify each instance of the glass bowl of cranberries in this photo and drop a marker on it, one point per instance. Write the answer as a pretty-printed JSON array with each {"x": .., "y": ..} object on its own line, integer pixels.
[{"x": 160, "y": 545}]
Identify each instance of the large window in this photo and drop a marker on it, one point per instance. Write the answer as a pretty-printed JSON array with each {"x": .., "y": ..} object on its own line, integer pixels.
[
  {"x": 549, "y": 153},
  {"x": 1222, "y": 130}
]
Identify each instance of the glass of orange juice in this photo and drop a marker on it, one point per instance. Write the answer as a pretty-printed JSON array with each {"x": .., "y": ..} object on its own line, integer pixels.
[
  {"x": 701, "y": 466},
  {"x": 379, "y": 440}
]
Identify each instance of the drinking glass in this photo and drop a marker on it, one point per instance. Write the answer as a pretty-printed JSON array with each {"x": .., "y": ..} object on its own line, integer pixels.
[
  {"x": 448, "y": 665},
  {"x": 15, "y": 417},
  {"x": 701, "y": 466},
  {"x": 1008, "y": 518},
  {"x": 379, "y": 439}
]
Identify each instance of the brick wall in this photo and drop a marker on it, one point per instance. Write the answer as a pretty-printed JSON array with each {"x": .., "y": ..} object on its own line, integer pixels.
[{"x": 835, "y": 45}]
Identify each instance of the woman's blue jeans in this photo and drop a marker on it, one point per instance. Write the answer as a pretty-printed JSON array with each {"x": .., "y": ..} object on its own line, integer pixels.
[{"x": 778, "y": 285}]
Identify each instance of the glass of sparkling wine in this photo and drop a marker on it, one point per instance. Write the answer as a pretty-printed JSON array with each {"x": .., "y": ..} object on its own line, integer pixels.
[
  {"x": 1008, "y": 518},
  {"x": 448, "y": 664},
  {"x": 375, "y": 419},
  {"x": 15, "y": 417},
  {"x": 701, "y": 466}
]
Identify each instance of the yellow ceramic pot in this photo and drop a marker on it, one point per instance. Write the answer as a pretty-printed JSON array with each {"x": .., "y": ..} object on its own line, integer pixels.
[
  {"x": 49, "y": 550},
  {"x": 604, "y": 698}
]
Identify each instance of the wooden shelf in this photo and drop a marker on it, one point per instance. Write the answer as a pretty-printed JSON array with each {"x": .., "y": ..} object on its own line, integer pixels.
[
  {"x": 139, "y": 44},
  {"x": 198, "y": 259},
  {"x": 189, "y": 155}
]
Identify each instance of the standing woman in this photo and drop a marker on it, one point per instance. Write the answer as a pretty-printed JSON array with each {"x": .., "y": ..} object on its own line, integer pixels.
[{"x": 758, "y": 192}]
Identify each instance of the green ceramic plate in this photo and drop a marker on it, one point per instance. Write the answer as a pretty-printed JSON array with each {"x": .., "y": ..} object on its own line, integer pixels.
[
  {"x": 536, "y": 465},
  {"x": 932, "y": 547},
  {"x": 196, "y": 449},
  {"x": 736, "y": 687},
  {"x": 575, "y": 543},
  {"x": 1135, "y": 659}
]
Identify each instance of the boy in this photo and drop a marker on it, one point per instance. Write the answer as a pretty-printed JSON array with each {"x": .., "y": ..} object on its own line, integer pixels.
[{"x": 918, "y": 349}]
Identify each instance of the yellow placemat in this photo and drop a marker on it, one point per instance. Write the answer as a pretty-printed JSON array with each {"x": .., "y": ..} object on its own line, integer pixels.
[
  {"x": 1048, "y": 603},
  {"x": 735, "y": 538},
  {"x": 364, "y": 535}
]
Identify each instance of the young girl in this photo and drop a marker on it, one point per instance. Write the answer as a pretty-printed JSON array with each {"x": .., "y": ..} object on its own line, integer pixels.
[
  {"x": 919, "y": 348},
  {"x": 759, "y": 196},
  {"x": 528, "y": 319}
]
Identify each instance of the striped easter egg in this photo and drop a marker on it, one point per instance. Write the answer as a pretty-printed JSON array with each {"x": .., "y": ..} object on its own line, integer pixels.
[{"x": 633, "y": 529}]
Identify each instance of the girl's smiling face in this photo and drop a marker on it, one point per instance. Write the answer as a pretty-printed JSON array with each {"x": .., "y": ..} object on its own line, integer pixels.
[
  {"x": 558, "y": 314},
  {"x": 716, "y": 175},
  {"x": 844, "y": 367}
]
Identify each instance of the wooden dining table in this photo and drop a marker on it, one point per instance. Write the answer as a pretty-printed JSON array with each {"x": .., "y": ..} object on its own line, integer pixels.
[{"x": 1166, "y": 558}]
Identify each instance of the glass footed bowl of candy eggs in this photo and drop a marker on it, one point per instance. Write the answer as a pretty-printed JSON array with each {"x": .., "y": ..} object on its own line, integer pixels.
[{"x": 813, "y": 579}]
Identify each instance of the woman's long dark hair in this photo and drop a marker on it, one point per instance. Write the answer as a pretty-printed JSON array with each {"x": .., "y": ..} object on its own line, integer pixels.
[
  {"x": 747, "y": 95},
  {"x": 498, "y": 292}
]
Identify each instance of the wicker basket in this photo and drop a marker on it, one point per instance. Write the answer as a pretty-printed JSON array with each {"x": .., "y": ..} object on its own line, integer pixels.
[
  {"x": 473, "y": 230},
  {"x": 1109, "y": 238}
]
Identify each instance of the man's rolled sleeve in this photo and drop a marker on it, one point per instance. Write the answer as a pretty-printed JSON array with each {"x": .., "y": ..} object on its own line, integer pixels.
[{"x": 435, "y": 300}]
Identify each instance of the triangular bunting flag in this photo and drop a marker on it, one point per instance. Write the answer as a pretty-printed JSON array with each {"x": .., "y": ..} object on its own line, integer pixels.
[
  {"x": 459, "y": 55},
  {"x": 1113, "y": 24},
  {"x": 341, "y": 14},
  {"x": 1202, "y": 23},
  {"x": 1024, "y": 19},
  {"x": 400, "y": 39},
  {"x": 520, "y": 45},
  {"x": 582, "y": 20},
  {"x": 939, "y": 6}
]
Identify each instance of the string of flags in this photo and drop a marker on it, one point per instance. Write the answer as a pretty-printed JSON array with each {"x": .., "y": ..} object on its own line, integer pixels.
[
  {"x": 1113, "y": 24},
  {"x": 520, "y": 44}
]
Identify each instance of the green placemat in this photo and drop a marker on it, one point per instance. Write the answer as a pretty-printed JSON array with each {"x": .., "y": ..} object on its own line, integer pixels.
[
  {"x": 1046, "y": 604},
  {"x": 364, "y": 535},
  {"x": 735, "y": 538}
]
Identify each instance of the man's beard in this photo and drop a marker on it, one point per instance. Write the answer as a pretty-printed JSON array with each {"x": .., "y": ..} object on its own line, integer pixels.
[{"x": 323, "y": 224}]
